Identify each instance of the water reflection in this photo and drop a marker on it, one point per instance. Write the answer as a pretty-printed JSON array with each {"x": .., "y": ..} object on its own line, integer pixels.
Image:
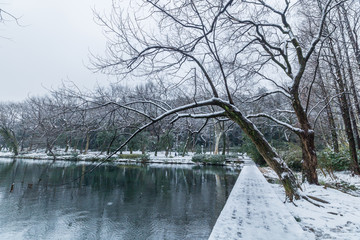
[{"x": 113, "y": 202}]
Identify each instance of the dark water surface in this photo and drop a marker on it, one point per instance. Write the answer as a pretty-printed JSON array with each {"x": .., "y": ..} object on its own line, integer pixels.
[{"x": 113, "y": 202}]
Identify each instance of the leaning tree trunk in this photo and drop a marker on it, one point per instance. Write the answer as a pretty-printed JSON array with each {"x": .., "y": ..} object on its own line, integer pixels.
[{"x": 285, "y": 175}]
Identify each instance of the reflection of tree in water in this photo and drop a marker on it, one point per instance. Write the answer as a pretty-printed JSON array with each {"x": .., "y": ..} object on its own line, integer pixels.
[{"x": 121, "y": 200}]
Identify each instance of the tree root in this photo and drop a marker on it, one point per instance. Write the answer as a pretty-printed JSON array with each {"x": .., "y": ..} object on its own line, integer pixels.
[
  {"x": 318, "y": 199},
  {"x": 307, "y": 199},
  {"x": 310, "y": 199}
]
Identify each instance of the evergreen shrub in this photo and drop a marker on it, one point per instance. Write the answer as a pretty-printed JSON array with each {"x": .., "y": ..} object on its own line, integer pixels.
[
  {"x": 329, "y": 159},
  {"x": 293, "y": 157},
  {"x": 209, "y": 159},
  {"x": 249, "y": 148}
]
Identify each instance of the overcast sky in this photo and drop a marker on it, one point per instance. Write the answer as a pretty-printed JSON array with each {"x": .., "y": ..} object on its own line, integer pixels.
[{"x": 52, "y": 45}]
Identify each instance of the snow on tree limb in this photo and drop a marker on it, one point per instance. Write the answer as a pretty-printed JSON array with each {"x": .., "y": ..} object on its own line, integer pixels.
[{"x": 284, "y": 124}]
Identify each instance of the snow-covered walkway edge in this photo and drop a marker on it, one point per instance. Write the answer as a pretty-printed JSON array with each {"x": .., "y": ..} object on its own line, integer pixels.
[
  {"x": 340, "y": 219},
  {"x": 253, "y": 211}
]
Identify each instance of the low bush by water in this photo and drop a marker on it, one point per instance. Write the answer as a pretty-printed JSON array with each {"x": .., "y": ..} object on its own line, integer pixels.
[{"x": 209, "y": 159}]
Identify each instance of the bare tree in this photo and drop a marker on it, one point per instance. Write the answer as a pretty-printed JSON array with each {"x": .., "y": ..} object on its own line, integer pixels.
[
  {"x": 6, "y": 16},
  {"x": 9, "y": 118},
  {"x": 185, "y": 45}
]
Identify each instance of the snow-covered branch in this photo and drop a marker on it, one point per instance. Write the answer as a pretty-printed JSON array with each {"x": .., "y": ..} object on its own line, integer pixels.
[
  {"x": 284, "y": 124},
  {"x": 199, "y": 115},
  {"x": 257, "y": 98}
]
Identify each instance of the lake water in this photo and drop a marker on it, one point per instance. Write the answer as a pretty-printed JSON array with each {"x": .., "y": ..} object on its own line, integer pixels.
[{"x": 111, "y": 202}]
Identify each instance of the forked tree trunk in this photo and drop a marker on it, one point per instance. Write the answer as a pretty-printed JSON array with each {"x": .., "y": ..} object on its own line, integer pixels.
[{"x": 285, "y": 175}]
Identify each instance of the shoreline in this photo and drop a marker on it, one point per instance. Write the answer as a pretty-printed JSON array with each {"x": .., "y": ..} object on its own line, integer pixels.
[{"x": 98, "y": 158}]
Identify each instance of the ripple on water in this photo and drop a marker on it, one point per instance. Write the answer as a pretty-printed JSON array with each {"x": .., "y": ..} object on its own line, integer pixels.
[{"x": 119, "y": 202}]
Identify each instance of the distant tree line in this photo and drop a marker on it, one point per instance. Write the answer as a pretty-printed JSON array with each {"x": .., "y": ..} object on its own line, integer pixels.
[{"x": 78, "y": 122}]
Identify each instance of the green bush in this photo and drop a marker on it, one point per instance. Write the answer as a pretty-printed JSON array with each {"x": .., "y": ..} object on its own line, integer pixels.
[
  {"x": 293, "y": 157},
  {"x": 232, "y": 156},
  {"x": 209, "y": 159},
  {"x": 198, "y": 149},
  {"x": 130, "y": 156},
  {"x": 329, "y": 159},
  {"x": 249, "y": 148}
]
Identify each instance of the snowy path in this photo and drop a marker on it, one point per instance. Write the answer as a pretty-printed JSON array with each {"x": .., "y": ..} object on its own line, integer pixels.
[{"x": 253, "y": 211}]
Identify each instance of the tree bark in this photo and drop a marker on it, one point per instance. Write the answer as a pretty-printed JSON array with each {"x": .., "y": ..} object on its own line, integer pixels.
[
  {"x": 87, "y": 142},
  {"x": 285, "y": 175},
  {"x": 329, "y": 114},
  {"x": 307, "y": 140},
  {"x": 68, "y": 140},
  {"x": 345, "y": 110},
  {"x": 224, "y": 144},
  {"x": 351, "y": 77},
  {"x": 186, "y": 143},
  {"x": 351, "y": 35},
  {"x": 219, "y": 131},
  {"x": 111, "y": 142},
  {"x": 348, "y": 62}
]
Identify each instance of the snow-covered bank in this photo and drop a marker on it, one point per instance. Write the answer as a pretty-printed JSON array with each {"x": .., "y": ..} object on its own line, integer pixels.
[
  {"x": 93, "y": 156},
  {"x": 98, "y": 156},
  {"x": 339, "y": 219}
]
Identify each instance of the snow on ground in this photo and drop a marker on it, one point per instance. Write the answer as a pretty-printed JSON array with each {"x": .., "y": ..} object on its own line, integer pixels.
[
  {"x": 342, "y": 179},
  {"x": 340, "y": 219},
  {"x": 93, "y": 155},
  {"x": 98, "y": 156},
  {"x": 253, "y": 211}
]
